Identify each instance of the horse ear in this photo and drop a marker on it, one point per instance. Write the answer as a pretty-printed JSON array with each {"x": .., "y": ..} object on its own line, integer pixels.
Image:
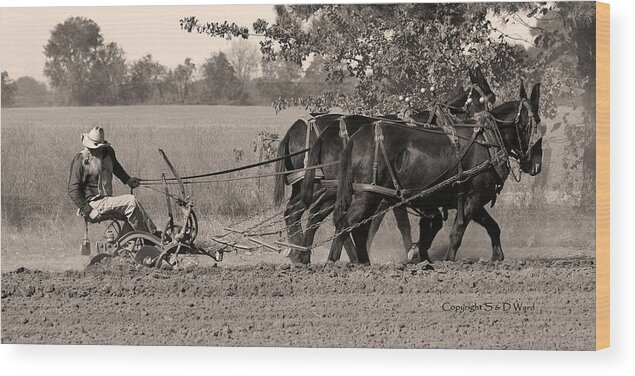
[
  {"x": 479, "y": 75},
  {"x": 472, "y": 77},
  {"x": 535, "y": 97},
  {"x": 482, "y": 81},
  {"x": 523, "y": 93}
]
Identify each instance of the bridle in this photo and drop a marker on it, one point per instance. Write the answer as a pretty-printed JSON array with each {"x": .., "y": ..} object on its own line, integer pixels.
[
  {"x": 533, "y": 128},
  {"x": 468, "y": 101},
  {"x": 487, "y": 97}
]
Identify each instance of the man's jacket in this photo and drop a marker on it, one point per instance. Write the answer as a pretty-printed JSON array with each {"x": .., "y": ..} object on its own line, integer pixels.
[{"x": 85, "y": 186}]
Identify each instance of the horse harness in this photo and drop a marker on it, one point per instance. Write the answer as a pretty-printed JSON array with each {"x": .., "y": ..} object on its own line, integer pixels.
[
  {"x": 311, "y": 126},
  {"x": 490, "y": 137},
  {"x": 444, "y": 120},
  {"x": 398, "y": 191}
]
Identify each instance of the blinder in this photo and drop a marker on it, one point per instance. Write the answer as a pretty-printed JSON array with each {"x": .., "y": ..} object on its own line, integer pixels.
[
  {"x": 535, "y": 129},
  {"x": 537, "y": 133}
]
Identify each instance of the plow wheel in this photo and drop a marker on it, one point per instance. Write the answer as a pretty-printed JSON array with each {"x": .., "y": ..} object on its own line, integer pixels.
[
  {"x": 191, "y": 231},
  {"x": 99, "y": 258},
  {"x": 173, "y": 254},
  {"x": 148, "y": 256},
  {"x": 132, "y": 242},
  {"x": 116, "y": 229}
]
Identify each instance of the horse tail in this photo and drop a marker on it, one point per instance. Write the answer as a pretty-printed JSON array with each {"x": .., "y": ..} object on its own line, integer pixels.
[
  {"x": 345, "y": 184},
  {"x": 309, "y": 175},
  {"x": 278, "y": 190}
]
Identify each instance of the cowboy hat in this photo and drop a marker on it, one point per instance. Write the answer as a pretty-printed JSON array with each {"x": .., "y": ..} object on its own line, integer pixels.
[{"x": 94, "y": 139}]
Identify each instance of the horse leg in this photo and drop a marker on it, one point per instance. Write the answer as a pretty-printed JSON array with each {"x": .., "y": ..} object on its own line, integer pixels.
[
  {"x": 360, "y": 236},
  {"x": 335, "y": 253},
  {"x": 458, "y": 229},
  {"x": 430, "y": 224},
  {"x": 403, "y": 223},
  {"x": 483, "y": 218},
  {"x": 374, "y": 225},
  {"x": 364, "y": 205},
  {"x": 336, "y": 246},
  {"x": 293, "y": 220},
  {"x": 317, "y": 213},
  {"x": 293, "y": 215}
]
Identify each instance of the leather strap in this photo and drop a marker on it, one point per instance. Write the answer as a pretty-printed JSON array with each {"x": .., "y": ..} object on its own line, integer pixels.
[
  {"x": 310, "y": 124},
  {"x": 379, "y": 138},
  {"x": 343, "y": 130},
  {"x": 393, "y": 174},
  {"x": 452, "y": 166}
]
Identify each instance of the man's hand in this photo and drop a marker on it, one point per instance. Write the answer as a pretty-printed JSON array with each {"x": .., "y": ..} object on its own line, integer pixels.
[
  {"x": 86, "y": 210},
  {"x": 133, "y": 182},
  {"x": 90, "y": 214}
]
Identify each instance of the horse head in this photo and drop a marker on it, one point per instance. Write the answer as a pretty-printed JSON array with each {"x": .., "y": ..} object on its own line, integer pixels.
[{"x": 524, "y": 129}]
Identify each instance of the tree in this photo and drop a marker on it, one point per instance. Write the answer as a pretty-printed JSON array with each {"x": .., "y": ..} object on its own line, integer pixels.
[
  {"x": 244, "y": 57},
  {"x": 315, "y": 82},
  {"x": 563, "y": 58},
  {"x": 280, "y": 79},
  {"x": 389, "y": 50},
  {"x": 30, "y": 92},
  {"x": 183, "y": 77},
  {"x": 8, "y": 90},
  {"x": 146, "y": 76},
  {"x": 221, "y": 83},
  {"x": 70, "y": 55},
  {"x": 107, "y": 78}
]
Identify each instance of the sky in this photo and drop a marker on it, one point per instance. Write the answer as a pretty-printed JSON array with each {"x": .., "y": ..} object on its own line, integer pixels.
[{"x": 138, "y": 30}]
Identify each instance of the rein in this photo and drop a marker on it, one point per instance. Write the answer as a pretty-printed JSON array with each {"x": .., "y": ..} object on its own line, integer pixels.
[
  {"x": 188, "y": 181},
  {"x": 245, "y": 167}
]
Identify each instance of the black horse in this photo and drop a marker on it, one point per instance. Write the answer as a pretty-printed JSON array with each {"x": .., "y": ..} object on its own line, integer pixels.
[
  {"x": 329, "y": 145},
  {"x": 419, "y": 158},
  {"x": 300, "y": 136}
]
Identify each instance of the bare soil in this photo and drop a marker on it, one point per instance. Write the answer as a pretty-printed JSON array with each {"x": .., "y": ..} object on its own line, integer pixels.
[{"x": 464, "y": 304}]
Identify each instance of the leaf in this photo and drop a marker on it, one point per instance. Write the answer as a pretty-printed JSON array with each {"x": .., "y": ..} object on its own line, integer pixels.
[{"x": 556, "y": 126}]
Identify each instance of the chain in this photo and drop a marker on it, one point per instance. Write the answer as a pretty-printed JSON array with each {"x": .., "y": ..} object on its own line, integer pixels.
[
  {"x": 313, "y": 226},
  {"x": 264, "y": 221}
]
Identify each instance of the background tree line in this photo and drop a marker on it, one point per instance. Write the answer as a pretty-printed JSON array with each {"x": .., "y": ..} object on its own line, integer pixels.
[{"x": 84, "y": 70}]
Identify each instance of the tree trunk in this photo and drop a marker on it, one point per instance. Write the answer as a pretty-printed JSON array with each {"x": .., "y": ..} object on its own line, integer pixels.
[
  {"x": 584, "y": 31},
  {"x": 587, "y": 199}
]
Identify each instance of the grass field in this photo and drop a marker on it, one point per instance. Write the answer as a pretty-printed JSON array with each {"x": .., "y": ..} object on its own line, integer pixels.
[{"x": 38, "y": 222}]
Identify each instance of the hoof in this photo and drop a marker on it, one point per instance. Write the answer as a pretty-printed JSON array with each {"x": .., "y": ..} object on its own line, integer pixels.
[
  {"x": 413, "y": 255},
  {"x": 299, "y": 257},
  {"x": 498, "y": 257}
]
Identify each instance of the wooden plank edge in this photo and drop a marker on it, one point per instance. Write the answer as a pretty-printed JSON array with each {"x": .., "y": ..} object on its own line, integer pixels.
[{"x": 603, "y": 176}]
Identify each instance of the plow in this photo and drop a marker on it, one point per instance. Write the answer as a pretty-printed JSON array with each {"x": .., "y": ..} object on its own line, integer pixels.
[
  {"x": 177, "y": 238},
  {"x": 181, "y": 228}
]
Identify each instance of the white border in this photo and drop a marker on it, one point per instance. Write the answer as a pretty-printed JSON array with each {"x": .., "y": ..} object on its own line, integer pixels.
[{"x": 109, "y": 360}]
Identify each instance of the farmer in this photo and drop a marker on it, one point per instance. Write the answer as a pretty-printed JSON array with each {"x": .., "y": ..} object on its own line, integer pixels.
[{"x": 90, "y": 185}]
